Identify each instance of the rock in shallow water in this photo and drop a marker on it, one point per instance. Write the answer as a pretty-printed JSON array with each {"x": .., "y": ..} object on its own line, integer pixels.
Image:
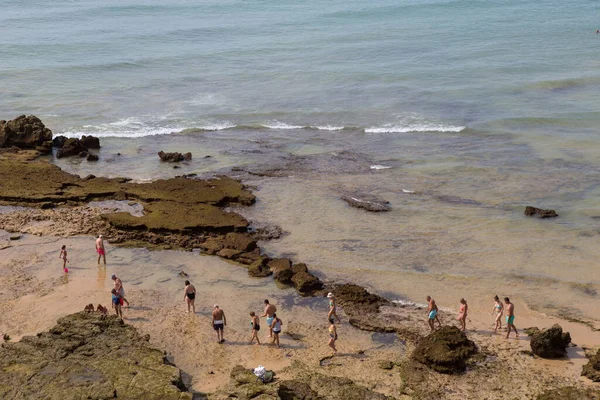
[
  {"x": 445, "y": 350},
  {"x": 174, "y": 157},
  {"x": 538, "y": 212},
  {"x": 550, "y": 343},
  {"x": 367, "y": 202}
]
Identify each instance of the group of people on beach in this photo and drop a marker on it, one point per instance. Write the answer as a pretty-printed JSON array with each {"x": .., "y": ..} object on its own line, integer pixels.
[{"x": 432, "y": 315}]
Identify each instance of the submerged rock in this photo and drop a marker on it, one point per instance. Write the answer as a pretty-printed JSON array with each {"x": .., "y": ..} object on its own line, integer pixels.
[
  {"x": 367, "y": 202},
  {"x": 174, "y": 157},
  {"x": 25, "y": 132},
  {"x": 445, "y": 350},
  {"x": 550, "y": 343},
  {"x": 538, "y": 212},
  {"x": 92, "y": 157},
  {"x": 592, "y": 369},
  {"x": 88, "y": 356}
]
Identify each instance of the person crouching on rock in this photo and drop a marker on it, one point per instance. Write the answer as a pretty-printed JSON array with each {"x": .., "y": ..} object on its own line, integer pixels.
[
  {"x": 332, "y": 334},
  {"x": 255, "y": 323},
  {"x": 101, "y": 309},
  {"x": 462, "y": 315},
  {"x": 116, "y": 303},
  {"x": 189, "y": 295}
]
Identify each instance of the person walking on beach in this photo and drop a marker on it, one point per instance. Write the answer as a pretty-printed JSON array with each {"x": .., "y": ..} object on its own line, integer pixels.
[
  {"x": 276, "y": 328},
  {"x": 432, "y": 310},
  {"x": 332, "y": 335},
  {"x": 119, "y": 288},
  {"x": 270, "y": 310},
  {"x": 462, "y": 315},
  {"x": 510, "y": 317},
  {"x": 332, "y": 307},
  {"x": 189, "y": 296},
  {"x": 100, "y": 249},
  {"x": 63, "y": 256},
  {"x": 499, "y": 311},
  {"x": 255, "y": 322},
  {"x": 218, "y": 322},
  {"x": 117, "y": 302}
]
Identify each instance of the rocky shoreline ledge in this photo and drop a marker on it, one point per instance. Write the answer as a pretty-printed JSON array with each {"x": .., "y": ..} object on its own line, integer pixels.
[{"x": 185, "y": 213}]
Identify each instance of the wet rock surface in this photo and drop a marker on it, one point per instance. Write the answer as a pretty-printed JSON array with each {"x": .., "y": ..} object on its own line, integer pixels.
[
  {"x": 90, "y": 142},
  {"x": 87, "y": 355},
  {"x": 367, "y": 202},
  {"x": 538, "y": 212},
  {"x": 591, "y": 370},
  {"x": 71, "y": 147},
  {"x": 550, "y": 343},
  {"x": 26, "y": 132},
  {"x": 570, "y": 393},
  {"x": 174, "y": 157},
  {"x": 445, "y": 350}
]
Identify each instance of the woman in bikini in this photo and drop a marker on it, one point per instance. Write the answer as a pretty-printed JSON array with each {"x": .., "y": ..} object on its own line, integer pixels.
[
  {"x": 332, "y": 335},
  {"x": 498, "y": 310},
  {"x": 255, "y": 327},
  {"x": 462, "y": 316},
  {"x": 63, "y": 256},
  {"x": 332, "y": 307},
  {"x": 189, "y": 296},
  {"x": 276, "y": 327}
]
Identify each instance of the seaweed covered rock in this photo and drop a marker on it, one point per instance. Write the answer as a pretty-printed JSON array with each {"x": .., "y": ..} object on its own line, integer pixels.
[
  {"x": 239, "y": 241},
  {"x": 538, "y": 212},
  {"x": 551, "y": 342},
  {"x": 87, "y": 356},
  {"x": 26, "y": 132},
  {"x": 592, "y": 369},
  {"x": 259, "y": 269},
  {"x": 306, "y": 283},
  {"x": 282, "y": 270},
  {"x": 174, "y": 157},
  {"x": 296, "y": 390},
  {"x": 445, "y": 350},
  {"x": 91, "y": 142},
  {"x": 357, "y": 300},
  {"x": 570, "y": 393}
]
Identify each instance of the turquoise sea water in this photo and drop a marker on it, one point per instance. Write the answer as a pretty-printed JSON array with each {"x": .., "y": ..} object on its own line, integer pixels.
[{"x": 478, "y": 107}]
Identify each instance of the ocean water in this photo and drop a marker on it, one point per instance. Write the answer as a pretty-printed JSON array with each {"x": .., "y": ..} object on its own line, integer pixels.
[{"x": 478, "y": 107}]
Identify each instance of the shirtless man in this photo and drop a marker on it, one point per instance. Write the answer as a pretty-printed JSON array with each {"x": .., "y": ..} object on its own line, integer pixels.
[
  {"x": 270, "y": 309},
  {"x": 119, "y": 288},
  {"x": 100, "y": 249},
  {"x": 219, "y": 322},
  {"x": 432, "y": 310},
  {"x": 510, "y": 317},
  {"x": 189, "y": 295}
]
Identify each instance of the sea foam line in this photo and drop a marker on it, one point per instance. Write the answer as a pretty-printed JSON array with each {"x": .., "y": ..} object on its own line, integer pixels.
[{"x": 414, "y": 128}]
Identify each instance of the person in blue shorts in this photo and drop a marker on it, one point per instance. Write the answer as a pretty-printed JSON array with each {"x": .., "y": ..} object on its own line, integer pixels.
[
  {"x": 432, "y": 311},
  {"x": 116, "y": 303},
  {"x": 510, "y": 317},
  {"x": 270, "y": 310}
]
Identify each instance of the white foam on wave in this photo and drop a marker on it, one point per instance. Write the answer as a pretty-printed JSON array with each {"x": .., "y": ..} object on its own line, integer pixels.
[
  {"x": 378, "y": 167},
  {"x": 218, "y": 126},
  {"x": 407, "y": 191},
  {"x": 327, "y": 127},
  {"x": 414, "y": 128},
  {"x": 130, "y": 127},
  {"x": 281, "y": 125}
]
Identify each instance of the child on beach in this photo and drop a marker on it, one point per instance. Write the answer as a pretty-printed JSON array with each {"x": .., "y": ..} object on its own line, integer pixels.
[
  {"x": 462, "y": 316},
  {"x": 63, "y": 256},
  {"x": 116, "y": 303},
  {"x": 498, "y": 310},
  {"x": 255, "y": 323},
  {"x": 276, "y": 328},
  {"x": 332, "y": 335}
]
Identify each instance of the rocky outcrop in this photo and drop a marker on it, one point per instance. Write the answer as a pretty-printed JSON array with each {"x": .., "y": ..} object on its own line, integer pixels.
[
  {"x": 174, "y": 157},
  {"x": 592, "y": 369},
  {"x": 88, "y": 356},
  {"x": 550, "y": 343},
  {"x": 259, "y": 269},
  {"x": 357, "y": 301},
  {"x": 24, "y": 132},
  {"x": 71, "y": 147},
  {"x": 92, "y": 157},
  {"x": 367, "y": 202},
  {"x": 445, "y": 350},
  {"x": 538, "y": 212},
  {"x": 282, "y": 270},
  {"x": 306, "y": 283},
  {"x": 90, "y": 142},
  {"x": 59, "y": 141},
  {"x": 295, "y": 390},
  {"x": 570, "y": 393}
]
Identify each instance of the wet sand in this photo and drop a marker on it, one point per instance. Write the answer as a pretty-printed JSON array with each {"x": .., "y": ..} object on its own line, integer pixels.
[{"x": 36, "y": 292}]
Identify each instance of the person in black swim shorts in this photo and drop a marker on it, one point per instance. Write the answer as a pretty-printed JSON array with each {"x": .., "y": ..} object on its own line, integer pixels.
[
  {"x": 189, "y": 296},
  {"x": 255, "y": 327},
  {"x": 218, "y": 322}
]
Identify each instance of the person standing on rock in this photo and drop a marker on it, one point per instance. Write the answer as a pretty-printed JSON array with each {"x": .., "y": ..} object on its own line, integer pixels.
[
  {"x": 432, "y": 316},
  {"x": 189, "y": 296},
  {"x": 255, "y": 323},
  {"x": 270, "y": 310},
  {"x": 332, "y": 335},
  {"x": 100, "y": 249},
  {"x": 63, "y": 256},
  {"x": 510, "y": 317},
  {"x": 462, "y": 315},
  {"x": 332, "y": 307},
  {"x": 499, "y": 311},
  {"x": 119, "y": 288},
  {"x": 218, "y": 322},
  {"x": 116, "y": 303}
]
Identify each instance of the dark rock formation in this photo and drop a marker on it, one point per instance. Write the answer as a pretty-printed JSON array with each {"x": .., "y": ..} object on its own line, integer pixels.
[
  {"x": 71, "y": 147},
  {"x": 550, "y": 343},
  {"x": 306, "y": 283},
  {"x": 295, "y": 390},
  {"x": 92, "y": 157},
  {"x": 24, "y": 132},
  {"x": 538, "y": 212},
  {"x": 592, "y": 369},
  {"x": 245, "y": 386},
  {"x": 174, "y": 157},
  {"x": 386, "y": 365},
  {"x": 367, "y": 202},
  {"x": 91, "y": 142},
  {"x": 357, "y": 301},
  {"x": 445, "y": 350},
  {"x": 531, "y": 331},
  {"x": 259, "y": 269},
  {"x": 239, "y": 241},
  {"x": 570, "y": 393},
  {"x": 59, "y": 141},
  {"x": 282, "y": 270},
  {"x": 87, "y": 356},
  {"x": 83, "y": 154}
]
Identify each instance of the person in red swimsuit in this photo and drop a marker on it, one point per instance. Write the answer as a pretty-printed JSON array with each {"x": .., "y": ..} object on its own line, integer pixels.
[{"x": 100, "y": 249}]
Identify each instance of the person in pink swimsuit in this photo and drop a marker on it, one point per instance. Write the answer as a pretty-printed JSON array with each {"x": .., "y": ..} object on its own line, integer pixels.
[{"x": 462, "y": 315}]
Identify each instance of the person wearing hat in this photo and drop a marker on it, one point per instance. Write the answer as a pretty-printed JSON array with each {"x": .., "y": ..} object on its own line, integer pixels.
[
  {"x": 119, "y": 288},
  {"x": 332, "y": 307},
  {"x": 218, "y": 322},
  {"x": 100, "y": 249}
]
